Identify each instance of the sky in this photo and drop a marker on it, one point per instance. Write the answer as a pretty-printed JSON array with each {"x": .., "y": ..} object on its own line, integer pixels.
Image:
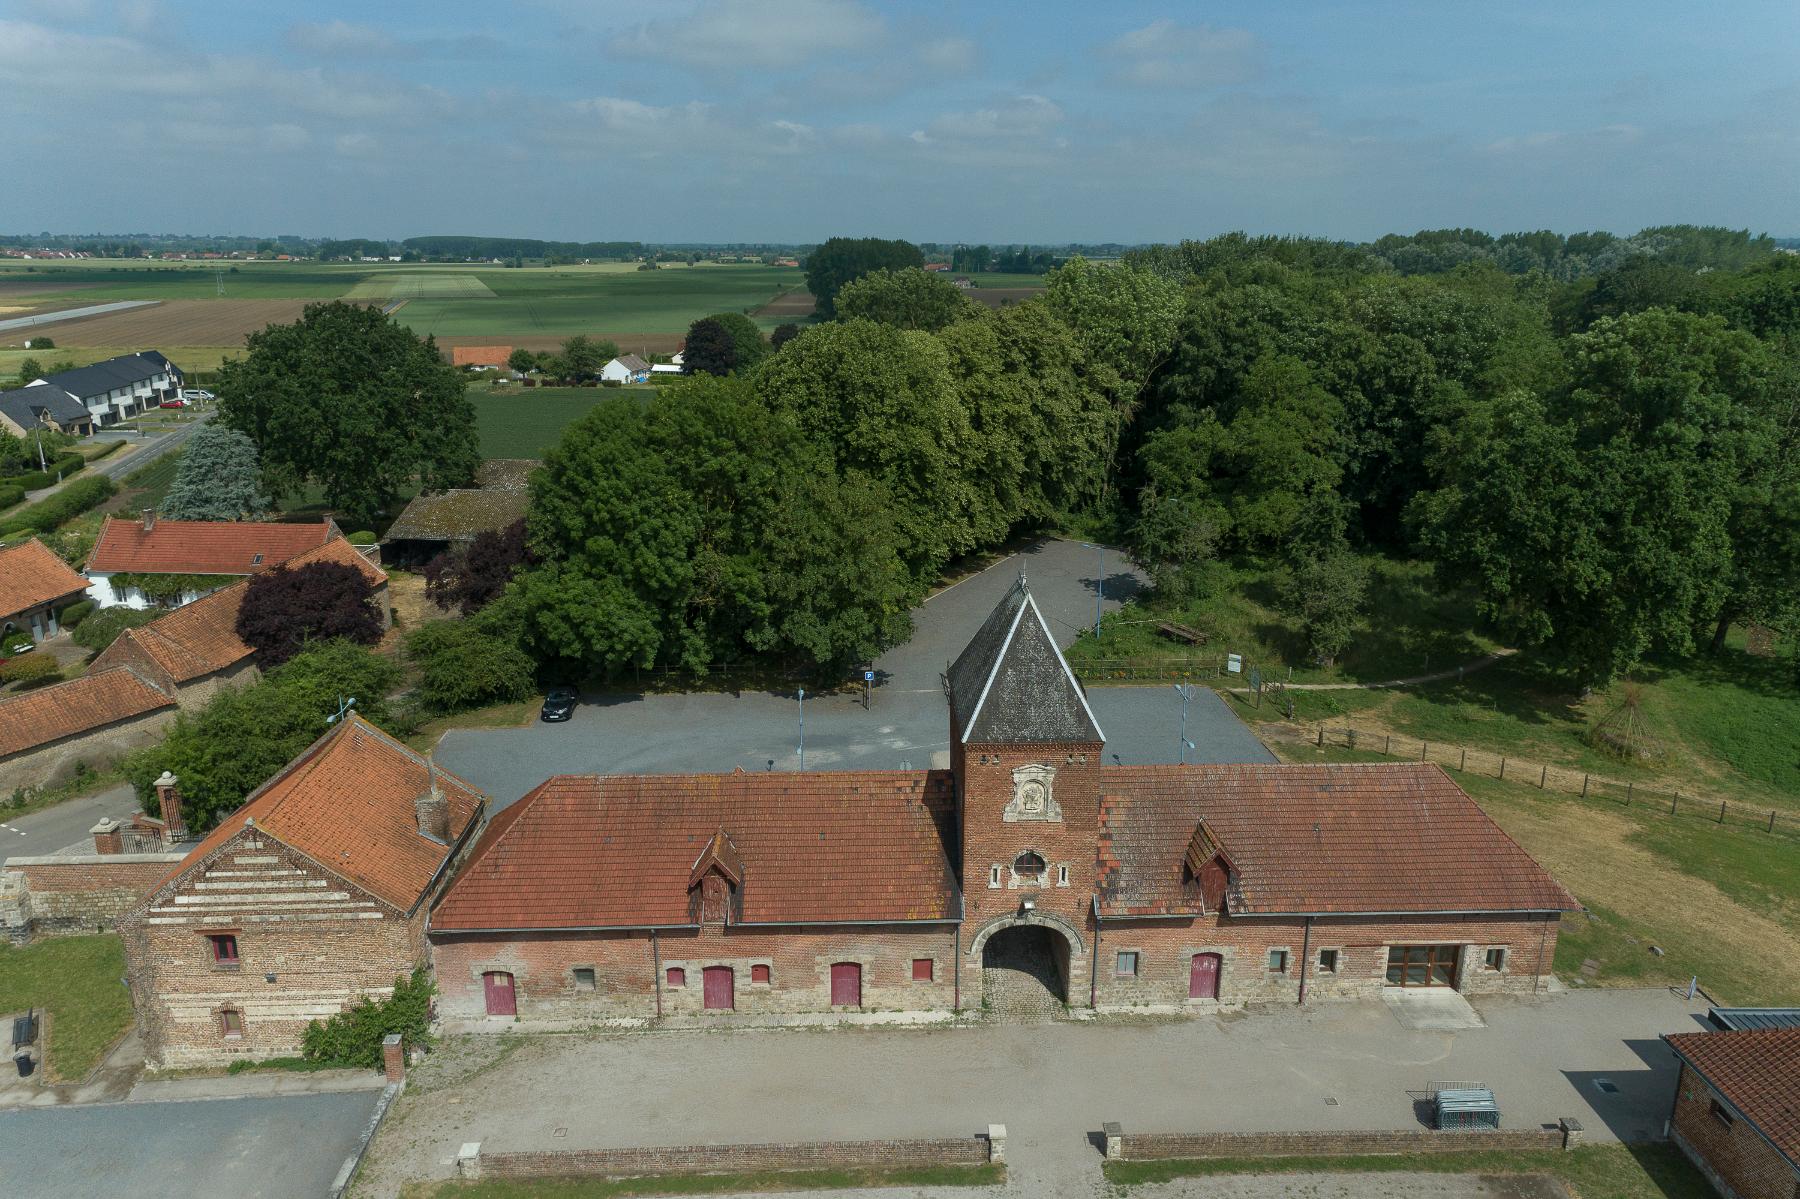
[{"x": 796, "y": 120}]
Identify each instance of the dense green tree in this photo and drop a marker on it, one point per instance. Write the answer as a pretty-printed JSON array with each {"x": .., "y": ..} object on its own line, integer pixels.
[
  {"x": 909, "y": 298},
  {"x": 581, "y": 357},
  {"x": 842, "y": 259},
  {"x": 710, "y": 349},
  {"x": 354, "y": 402},
  {"x": 1325, "y": 589},
  {"x": 522, "y": 360},
  {"x": 745, "y": 336},
  {"x": 219, "y": 478},
  {"x": 463, "y": 664},
  {"x": 782, "y": 334}
]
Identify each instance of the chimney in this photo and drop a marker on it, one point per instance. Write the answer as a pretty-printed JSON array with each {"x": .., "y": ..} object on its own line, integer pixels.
[
  {"x": 432, "y": 809},
  {"x": 149, "y": 519},
  {"x": 168, "y": 801}
]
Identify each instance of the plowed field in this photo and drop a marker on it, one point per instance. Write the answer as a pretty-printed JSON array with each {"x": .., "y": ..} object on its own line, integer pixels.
[{"x": 179, "y": 323}]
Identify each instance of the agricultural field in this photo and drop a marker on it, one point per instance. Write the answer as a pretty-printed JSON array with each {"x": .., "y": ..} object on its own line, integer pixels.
[
  {"x": 524, "y": 422},
  {"x": 220, "y": 322},
  {"x": 420, "y": 285}
]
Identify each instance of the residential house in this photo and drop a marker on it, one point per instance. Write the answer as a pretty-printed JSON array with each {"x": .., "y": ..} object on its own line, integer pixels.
[
  {"x": 206, "y": 553},
  {"x": 447, "y": 520},
  {"x": 119, "y": 388},
  {"x": 31, "y": 409},
  {"x": 310, "y": 896},
  {"x": 1737, "y": 1107},
  {"x": 35, "y": 586},
  {"x": 1182, "y": 889},
  {"x": 626, "y": 368}
]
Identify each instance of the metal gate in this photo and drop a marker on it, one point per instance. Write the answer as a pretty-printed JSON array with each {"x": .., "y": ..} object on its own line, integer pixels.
[
  {"x": 719, "y": 988},
  {"x": 846, "y": 984}
]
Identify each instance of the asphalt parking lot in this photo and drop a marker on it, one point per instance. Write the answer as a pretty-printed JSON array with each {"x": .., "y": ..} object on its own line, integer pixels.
[
  {"x": 289, "y": 1147},
  {"x": 906, "y": 724}
]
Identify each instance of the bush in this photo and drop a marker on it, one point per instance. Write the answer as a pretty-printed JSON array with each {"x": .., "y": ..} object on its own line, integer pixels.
[
  {"x": 462, "y": 666},
  {"x": 110, "y": 448},
  {"x": 103, "y": 627},
  {"x": 10, "y": 495},
  {"x": 286, "y": 607},
  {"x": 41, "y": 343},
  {"x": 72, "y": 616},
  {"x": 66, "y": 504},
  {"x": 353, "y": 1037},
  {"x": 30, "y": 669},
  {"x": 363, "y": 538}
]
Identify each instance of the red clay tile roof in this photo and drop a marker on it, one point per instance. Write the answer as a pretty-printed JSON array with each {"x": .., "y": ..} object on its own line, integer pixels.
[
  {"x": 347, "y": 803},
  {"x": 585, "y": 851},
  {"x": 202, "y": 547},
  {"x": 339, "y": 550},
  {"x": 33, "y": 718},
  {"x": 1398, "y": 837},
  {"x": 480, "y": 355},
  {"x": 32, "y": 574},
  {"x": 1758, "y": 1073}
]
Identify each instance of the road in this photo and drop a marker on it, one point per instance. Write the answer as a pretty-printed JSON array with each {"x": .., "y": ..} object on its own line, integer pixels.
[
  {"x": 906, "y": 725},
  {"x": 64, "y": 825},
  {"x": 283, "y": 1148},
  {"x": 121, "y": 464}
]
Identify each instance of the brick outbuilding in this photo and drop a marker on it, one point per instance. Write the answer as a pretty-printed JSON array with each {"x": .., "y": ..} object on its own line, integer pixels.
[
  {"x": 308, "y": 897},
  {"x": 1029, "y": 872},
  {"x": 1737, "y": 1109}
]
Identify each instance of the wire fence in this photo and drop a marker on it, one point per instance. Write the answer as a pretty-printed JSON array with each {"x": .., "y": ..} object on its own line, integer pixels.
[{"x": 1670, "y": 802}]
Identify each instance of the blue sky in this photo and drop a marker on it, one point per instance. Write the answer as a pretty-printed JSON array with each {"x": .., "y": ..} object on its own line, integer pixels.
[{"x": 792, "y": 120}]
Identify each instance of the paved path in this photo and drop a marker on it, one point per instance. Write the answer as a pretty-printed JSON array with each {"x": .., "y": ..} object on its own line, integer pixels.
[
  {"x": 70, "y": 314},
  {"x": 284, "y": 1148},
  {"x": 907, "y": 723},
  {"x": 1051, "y": 1085},
  {"x": 64, "y": 825}
]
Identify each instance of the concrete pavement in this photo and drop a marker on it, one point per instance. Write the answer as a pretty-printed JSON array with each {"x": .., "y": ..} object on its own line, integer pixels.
[
  {"x": 906, "y": 724},
  {"x": 64, "y": 825},
  {"x": 283, "y": 1148},
  {"x": 1341, "y": 1065}
]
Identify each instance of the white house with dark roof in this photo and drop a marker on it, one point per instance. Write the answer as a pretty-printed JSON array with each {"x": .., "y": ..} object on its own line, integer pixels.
[{"x": 118, "y": 388}]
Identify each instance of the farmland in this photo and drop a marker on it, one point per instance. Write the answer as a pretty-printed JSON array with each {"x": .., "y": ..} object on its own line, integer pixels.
[
  {"x": 223, "y": 322},
  {"x": 523, "y": 423}
]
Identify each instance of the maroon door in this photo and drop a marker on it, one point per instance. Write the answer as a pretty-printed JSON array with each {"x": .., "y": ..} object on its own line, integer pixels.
[
  {"x": 1203, "y": 978},
  {"x": 501, "y": 1001},
  {"x": 846, "y": 984},
  {"x": 718, "y": 987}
]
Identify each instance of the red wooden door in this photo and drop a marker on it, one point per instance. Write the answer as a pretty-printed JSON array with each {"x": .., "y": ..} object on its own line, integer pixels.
[
  {"x": 846, "y": 984},
  {"x": 501, "y": 1001},
  {"x": 1203, "y": 978},
  {"x": 720, "y": 996}
]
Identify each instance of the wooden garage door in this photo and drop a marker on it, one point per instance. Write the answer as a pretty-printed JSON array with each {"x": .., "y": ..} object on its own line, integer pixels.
[
  {"x": 720, "y": 988},
  {"x": 497, "y": 986},
  {"x": 846, "y": 984}
]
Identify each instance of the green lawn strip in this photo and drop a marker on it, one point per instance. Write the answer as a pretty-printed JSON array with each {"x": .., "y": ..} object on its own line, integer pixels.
[
  {"x": 524, "y": 422},
  {"x": 78, "y": 980},
  {"x": 1656, "y": 1171},
  {"x": 992, "y": 1174}
]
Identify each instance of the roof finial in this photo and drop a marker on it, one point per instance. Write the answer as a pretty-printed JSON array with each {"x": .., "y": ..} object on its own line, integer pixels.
[{"x": 1022, "y": 583}]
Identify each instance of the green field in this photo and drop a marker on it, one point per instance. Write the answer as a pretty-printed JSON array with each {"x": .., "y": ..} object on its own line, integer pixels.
[
  {"x": 565, "y": 301},
  {"x": 419, "y": 285},
  {"x": 99, "y": 281},
  {"x": 524, "y": 422}
]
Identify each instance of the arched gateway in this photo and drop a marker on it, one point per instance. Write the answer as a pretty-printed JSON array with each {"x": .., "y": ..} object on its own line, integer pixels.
[{"x": 1029, "y": 966}]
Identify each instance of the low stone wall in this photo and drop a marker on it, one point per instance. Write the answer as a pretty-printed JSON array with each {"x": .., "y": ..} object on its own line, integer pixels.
[
  {"x": 718, "y": 1159},
  {"x": 1150, "y": 1146},
  {"x": 75, "y": 894}
]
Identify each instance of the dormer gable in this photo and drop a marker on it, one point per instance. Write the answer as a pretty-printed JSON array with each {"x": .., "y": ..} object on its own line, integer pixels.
[
  {"x": 1208, "y": 868},
  {"x": 716, "y": 882}
]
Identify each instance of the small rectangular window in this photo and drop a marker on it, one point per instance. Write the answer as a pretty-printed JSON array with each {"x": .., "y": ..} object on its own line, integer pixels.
[
  {"x": 231, "y": 1022},
  {"x": 1278, "y": 961},
  {"x": 224, "y": 948},
  {"x": 1062, "y": 876},
  {"x": 1721, "y": 1115},
  {"x": 584, "y": 978},
  {"x": 1328, "y": 961},
  {"x": 760, "y": 974},
  {"x": 1127, "y": 965},
  {"x": 922, "y": 968},
  {"x": 677, "y": 976},
  {"x": 1496, "y": 959},
  {"x": 994, "y": 875}
]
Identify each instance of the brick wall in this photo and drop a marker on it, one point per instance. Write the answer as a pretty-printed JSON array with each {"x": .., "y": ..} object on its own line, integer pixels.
[
  {"x": 987, "y": 787},
  {"x": 78, "y": 894},
  {"x": 97, "y": 747},
  {"x": 627, "y": 979},
  {"x": 715, "y": 1159},
  {"x": 1149, "y": 1146},
  {"x": 1735, "y": 1159},
  {"x": 1166, "y": 950},
  {"x": 309, "y": 945}
]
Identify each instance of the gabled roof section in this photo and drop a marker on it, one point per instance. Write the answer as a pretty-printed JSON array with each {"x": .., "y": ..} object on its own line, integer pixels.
[
  {"x": 1758, "y": 1073},
  {"x": 621, "y": 851},
  {"x": 203, "y": 547},
  {"x": 1205, "y": 847},
  {"x": 194, "y": 640},
  {"x": 1011, "y": 684},
  {"x": 347, "y": 803},
  {"x": 33, "y": 718},
  {"x": 721, "y": 854},
  {"x": 32, "y": 574}
]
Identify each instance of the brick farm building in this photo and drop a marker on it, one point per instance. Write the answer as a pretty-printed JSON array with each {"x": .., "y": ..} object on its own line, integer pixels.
[{"x": 1027, "y": 876}]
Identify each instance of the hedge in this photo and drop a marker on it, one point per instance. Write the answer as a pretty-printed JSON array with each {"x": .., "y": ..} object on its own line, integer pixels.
[
  {"x": 111, "y": 447},
  {"x": 45, "y": 515},
  {"x": 103, "y": 627},
  {"x": 30, "y": 668},
  {"x": 37, "y": 480},
  {"x": 75, "y": 613},
  {"x": 10, "y": 495}
]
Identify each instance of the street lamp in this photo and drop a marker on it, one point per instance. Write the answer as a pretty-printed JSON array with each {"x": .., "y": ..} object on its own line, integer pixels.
[
  {"x": 802, "y": 730},
  {"x": 1099, "y": 585},
  {"x": 344, "y": 706},
  {"x": 1185, "y": 691}
]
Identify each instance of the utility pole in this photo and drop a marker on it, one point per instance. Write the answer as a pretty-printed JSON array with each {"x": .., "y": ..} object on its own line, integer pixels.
[
  {"x": 1099, "y": 585},
  {"x": 802, "y": 698},
  {"x": 1185, "y": 691}
]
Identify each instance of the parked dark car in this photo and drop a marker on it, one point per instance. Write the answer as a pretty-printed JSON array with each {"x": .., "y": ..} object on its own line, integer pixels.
[{"x": 559, "y": 704}]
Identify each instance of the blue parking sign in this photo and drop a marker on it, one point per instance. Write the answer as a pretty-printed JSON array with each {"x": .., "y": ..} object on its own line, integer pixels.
[{"x": 868, "y": 676}]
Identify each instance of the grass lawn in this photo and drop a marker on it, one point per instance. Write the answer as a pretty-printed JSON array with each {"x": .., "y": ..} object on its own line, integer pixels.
[
  {"x": 523, "y": 422},
  {"x": 1721, "y": 901},
  {"x": 1592, "y": 1171},
  {"x": 992, "y": 1174},
  {"x": 77, "y": 979}
]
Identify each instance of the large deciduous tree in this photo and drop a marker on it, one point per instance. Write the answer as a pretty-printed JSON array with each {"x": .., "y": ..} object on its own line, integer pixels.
[
  {"x": 288, "y": 607},
  {"x": 219, "y": 478},
  {"x": 745, "y": 337},
  {"x": 842, "y": 259},
  {"x": 350, "y": 400},
  {"x": 710, "y": 349},
  {"x": 910, "y": 298}
]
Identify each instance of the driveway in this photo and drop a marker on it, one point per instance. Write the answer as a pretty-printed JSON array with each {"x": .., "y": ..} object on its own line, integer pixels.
[
  {"x": 66, "y": 825},
  {"x": 286, "y": 1148},
  {"x": 1333, "y": 1066},
  {"x": 906, "y": 725}
]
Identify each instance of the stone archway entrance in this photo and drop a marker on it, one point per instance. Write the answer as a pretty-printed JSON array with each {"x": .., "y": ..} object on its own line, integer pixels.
[{"x": 1024, "y": 973}]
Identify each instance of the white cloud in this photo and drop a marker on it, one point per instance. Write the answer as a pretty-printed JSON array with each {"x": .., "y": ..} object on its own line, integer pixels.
[
  {"x": 758, "y": 34},
  {"x": 357, "y": 145},
  {"x": 635, "y": 118},
  {"x": 338, "y": 39},
  {"x": 1164, "y": 54},
  {"x": 948, "y": 55},
  {"x": 1023, "y": 116}
]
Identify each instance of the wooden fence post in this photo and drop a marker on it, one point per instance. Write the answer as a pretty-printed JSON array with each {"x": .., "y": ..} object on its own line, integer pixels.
[
  {"x": 1628, "y": 787},
  {"x": 1423, "y": 746},
  {"x": 1721, "y": 811},
  {"x": 1464, "y": 763},
  {"x": 1771, "y": 820},
  {"x": 1387, "y": 743},
  {"x": 1543, "y": 775},
  {"x": 1502, "y": 767},
  {"x": 1321, "y": 736},
  {"x": 1674, "y": 802},
  {"x": 1584, "y": 786}
]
